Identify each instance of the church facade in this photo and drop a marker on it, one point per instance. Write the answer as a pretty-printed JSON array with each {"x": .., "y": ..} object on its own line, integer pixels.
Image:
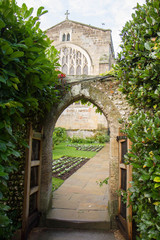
[{"x": 83, "y": 50}]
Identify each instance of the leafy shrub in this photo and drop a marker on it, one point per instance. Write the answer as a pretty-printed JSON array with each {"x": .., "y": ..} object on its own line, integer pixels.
[
  {"x": 59, "y": 135},
  {"x": 101, "y": 138},
  {"x": 28, "y": 83},
  {"x": 81, "y": 140},
  {"x": 139, "y": 74},
  {"x": 97, "y": 138}
]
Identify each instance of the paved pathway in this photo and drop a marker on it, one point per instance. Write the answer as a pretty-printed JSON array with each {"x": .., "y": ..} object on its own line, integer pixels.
[
  {"x": 80, "y": 198},
  {"x": 80, "y": 203}
]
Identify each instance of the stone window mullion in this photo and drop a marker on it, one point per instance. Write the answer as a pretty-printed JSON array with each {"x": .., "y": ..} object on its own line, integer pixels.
[
  {"x": 77, "y": 63},
  {"x": 82, "y": 59}
]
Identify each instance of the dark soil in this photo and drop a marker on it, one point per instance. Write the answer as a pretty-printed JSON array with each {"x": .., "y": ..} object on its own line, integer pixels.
[{"x": 73, "y": 170}]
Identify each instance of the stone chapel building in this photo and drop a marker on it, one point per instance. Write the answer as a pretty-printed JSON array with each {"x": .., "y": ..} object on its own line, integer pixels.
[{"x": 83, "y": 50}]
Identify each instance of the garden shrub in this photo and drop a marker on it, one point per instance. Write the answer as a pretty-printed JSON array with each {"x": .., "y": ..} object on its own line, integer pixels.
[
  {"x": 75, "y": 139},
  {"x": 28, "y": 87},
  {"x": 59, "y": 135},
  {"x": 138, "y": 69},
  {"x": 99, "y": 137}
]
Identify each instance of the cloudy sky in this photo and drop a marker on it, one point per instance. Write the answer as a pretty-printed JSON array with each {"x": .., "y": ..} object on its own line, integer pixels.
[{"x": 107, "y": 14}]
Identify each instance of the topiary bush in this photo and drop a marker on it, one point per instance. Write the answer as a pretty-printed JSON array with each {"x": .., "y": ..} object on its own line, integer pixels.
[{"x": 138, "y": 69}]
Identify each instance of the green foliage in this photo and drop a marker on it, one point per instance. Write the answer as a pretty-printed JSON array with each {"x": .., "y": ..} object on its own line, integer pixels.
[
  {"x": 139, "y": 60},
  {"x": 56, "y": 183},
  {"x": 105, "y": 181},
  {"x": 138, "y": 67},
  {"x": 144, "y": 132},
  {"x": 75, "y": 139},
  {"x": 63, "y": 150},
  {"x": 99, "y": 137},
  {"x": 59, "y": 135},
  {"x": 86, "y": 102},
  {"x": 28, "y": 82},
  {"x": 110, "y": 73}
]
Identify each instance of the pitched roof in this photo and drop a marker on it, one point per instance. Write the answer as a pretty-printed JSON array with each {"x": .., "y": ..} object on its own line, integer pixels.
[{"x": 87, "y": 25}]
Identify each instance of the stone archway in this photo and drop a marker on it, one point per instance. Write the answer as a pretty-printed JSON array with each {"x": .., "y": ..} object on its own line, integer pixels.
[{"x": 102, "y": 94}]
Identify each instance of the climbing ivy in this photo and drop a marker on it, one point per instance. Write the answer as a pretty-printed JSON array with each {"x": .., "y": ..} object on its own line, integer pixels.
[
  {"x": 138, "y": 68},
  {"x": 28, "y": 87}
]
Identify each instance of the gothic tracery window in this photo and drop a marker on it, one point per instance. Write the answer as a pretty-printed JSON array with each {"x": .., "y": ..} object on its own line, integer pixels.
[
  {"x": 85, "y": 70},
  {"x": 78, "y": 70},
  {"x": 73, "y": 61}
]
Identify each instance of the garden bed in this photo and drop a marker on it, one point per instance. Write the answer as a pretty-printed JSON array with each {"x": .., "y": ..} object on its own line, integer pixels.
[
  {"x": 68, "y": 158},
  {"x": 65, "y": 166},
  {"x": 87, "y": 147}
]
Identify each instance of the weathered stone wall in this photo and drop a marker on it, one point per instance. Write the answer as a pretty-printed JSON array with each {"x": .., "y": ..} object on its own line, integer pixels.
[
  {"x": 82, "y": 120},
  {"x": 96, "y": 42},
  {"x": 105, "y": 95}
]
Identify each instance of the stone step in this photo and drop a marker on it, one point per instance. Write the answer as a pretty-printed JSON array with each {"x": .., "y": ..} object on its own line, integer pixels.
[
  {"x": 70, "y": 234},
  {"x": 84, "y": 225}
]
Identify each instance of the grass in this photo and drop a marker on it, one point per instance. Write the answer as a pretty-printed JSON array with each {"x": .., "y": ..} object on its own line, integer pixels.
[
  {"x": 63, "y": 150},
  {"x": 56, "y": 183}
]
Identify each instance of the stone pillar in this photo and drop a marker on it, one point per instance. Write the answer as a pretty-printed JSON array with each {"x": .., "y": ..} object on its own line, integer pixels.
[
  {"x": 114, "y": 175},
  {"x": 46, "y": 170}
]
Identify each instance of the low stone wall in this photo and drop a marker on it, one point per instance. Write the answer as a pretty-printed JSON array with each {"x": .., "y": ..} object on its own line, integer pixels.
[{"x": 84, "y": 133}]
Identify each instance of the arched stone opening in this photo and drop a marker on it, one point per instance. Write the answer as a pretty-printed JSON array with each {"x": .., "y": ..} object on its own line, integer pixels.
[
  {"x": 99, "y": 98},
  {"x": 83, "y": 120}
]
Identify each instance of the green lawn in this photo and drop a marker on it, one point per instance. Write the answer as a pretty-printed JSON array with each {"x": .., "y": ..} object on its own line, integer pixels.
[
  {"x": 56, "y": 183},
  {"x": 63, "y": 150}
]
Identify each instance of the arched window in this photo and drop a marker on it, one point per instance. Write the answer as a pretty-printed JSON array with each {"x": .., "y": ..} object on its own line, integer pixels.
[
  {"x": 71, "y": 71},
  {"x": 85, "y": 70},
  {"x": 64, "y": 68},
  {"x": 68, "y": 37},
  {"x": 78, "y": 70},
  {"x": 73, "y": 60},
  {"x": 64, "y": 37}
]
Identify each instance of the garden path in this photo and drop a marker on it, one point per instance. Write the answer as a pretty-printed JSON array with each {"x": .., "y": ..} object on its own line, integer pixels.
[
  {"x": 80, "y": 200},
  {"x": 81, "y": 203}
]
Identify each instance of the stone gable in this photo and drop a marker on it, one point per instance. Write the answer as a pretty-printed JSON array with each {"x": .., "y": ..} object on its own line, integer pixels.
[{"x": 93, "y": 43}]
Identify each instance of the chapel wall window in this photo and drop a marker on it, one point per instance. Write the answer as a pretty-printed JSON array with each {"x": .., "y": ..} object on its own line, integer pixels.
[
  {"x": 78, "y": 70},
  {"x": 68, "y": 37},
  {"x": 73, "y": 61},
  {"x": 64, "y": 37},
  {"x": 64, "y": 68},
  {"x": 71, "y": 71},
  {"x": 85, "y": 70}
]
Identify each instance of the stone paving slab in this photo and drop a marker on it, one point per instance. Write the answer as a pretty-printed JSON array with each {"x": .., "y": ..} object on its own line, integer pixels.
[
  {"x": 69, "y": 234},
  {"x": 80, "y": 198}
]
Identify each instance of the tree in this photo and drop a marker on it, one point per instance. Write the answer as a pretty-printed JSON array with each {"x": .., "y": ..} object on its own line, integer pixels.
[
  {"x": 138, "y": 68},
  {"x": 28, "y": 87}
]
